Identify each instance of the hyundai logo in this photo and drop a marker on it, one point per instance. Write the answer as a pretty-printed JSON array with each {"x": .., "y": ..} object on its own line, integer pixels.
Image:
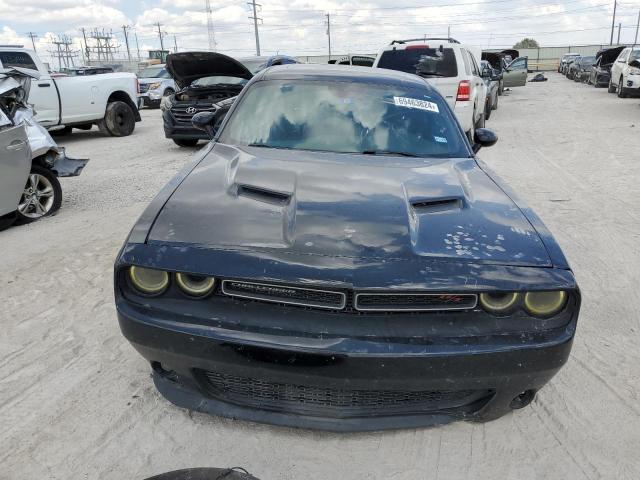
[{"x": 191, "y": 110}]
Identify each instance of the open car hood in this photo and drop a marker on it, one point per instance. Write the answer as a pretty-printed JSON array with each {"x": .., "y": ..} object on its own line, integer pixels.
[
  {"x": 189, "y": 66},
  {"x": 608, "y": 55}
]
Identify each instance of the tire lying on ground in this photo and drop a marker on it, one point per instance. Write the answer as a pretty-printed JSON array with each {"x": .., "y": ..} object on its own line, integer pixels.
[{"x": 119, "y": 120}]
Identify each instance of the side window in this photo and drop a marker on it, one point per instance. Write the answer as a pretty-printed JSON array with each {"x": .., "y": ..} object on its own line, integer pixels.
[
  {"x": 17, "y": 59},
  {"x": 465, "y": 59},
  {"x": 474, "y": 65},
  {"x": 518, "y": 64}
]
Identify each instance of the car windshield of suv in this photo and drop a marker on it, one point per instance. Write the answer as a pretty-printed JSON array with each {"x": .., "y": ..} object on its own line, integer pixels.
[
  {"x": 154, "y": 72},
  {"x": 345, "y": 117},
  {"x": 635, "y": 55},
  {"x": 421, "y": 60}
]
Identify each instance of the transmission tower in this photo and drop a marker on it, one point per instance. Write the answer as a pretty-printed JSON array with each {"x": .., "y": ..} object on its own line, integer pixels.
[
  {"x": 104, "y": 47},
  {"x": 212, "y": 33},
  {"x": 61, "y": 49}
]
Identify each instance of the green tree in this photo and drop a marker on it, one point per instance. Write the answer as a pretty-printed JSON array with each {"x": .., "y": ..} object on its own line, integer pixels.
[{"x": 526, "y": 43}]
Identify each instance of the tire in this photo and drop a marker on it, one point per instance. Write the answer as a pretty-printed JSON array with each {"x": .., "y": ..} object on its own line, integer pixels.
[
  {"x": 34, "y": 203},
  {"x": 63, "y": 132},
  {"x": 186, "y": 142},
  {"x": 620, "y": 88},
  {"x": 501, "y": 88},
  {"x": 495, "y": 104},
  {"x": 611, "y": 88},
  {"x": 487, "y": 110},
  {"x": 119, "y": 120}
]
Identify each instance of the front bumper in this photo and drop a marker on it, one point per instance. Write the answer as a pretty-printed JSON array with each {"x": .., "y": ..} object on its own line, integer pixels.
[
  {"x": 174, "y": 128},
  {"x": 340, "y": 383},
  {"x": 151, "y": 97},
  {"x": 631, "y": 85}
]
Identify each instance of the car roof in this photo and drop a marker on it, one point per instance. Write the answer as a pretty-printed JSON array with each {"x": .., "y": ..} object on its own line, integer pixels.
[{"x": 309, "y": 71}]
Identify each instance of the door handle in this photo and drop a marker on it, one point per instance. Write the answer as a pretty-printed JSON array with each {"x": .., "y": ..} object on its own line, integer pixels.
[
  {"x": 17, "y": 145},
  {"x": 44, "y": 84}
]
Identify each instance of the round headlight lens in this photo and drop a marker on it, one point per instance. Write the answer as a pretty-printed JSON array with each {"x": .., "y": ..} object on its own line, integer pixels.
[
  {"x": 498, "y": 302},
  {"x": 149, "y": 281},
  {"x": 195, "y": 285},
  {"x": 544, "y": 304}
]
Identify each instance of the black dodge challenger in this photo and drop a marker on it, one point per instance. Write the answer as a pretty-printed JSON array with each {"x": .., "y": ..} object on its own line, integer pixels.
[{"x": 338, "y": 258}]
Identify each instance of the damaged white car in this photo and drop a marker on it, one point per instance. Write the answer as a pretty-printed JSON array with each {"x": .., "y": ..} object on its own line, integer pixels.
[{"x": 30, "y": 162}]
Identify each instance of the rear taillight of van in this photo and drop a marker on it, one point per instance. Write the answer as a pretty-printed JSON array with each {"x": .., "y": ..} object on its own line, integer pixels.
[{"x": 464, "y": 91}]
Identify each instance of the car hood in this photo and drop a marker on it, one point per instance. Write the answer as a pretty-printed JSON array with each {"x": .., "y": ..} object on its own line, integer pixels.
[
  {"x": 150, "y": 80},
  {"x": 345, "y": 205},
  {"x": 609, "y": 55},
  {"x": 189, "y": 66}
]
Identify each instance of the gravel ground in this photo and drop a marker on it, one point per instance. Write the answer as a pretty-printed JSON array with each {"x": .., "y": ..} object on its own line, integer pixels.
[{"x": 76, "y": 401}]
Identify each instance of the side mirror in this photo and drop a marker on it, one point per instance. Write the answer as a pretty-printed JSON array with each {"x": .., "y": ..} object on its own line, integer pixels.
[
  {"x": 484, "y": 137},
  {"x": 205, "y": 121}
]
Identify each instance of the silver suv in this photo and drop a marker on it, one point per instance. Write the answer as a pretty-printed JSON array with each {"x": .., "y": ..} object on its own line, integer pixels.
[{"x": 448, "y": 66}]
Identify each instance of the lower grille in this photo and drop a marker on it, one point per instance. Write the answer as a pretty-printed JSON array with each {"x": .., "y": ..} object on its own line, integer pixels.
[
  {"x": 414, "y": 301},
  {"x": 337, "y": 403},
  {"x": 308, "y": 297},
  {"x": 184, "y": 114}
]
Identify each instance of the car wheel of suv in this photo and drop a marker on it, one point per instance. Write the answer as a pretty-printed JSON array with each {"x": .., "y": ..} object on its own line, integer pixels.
[
  {"x": 619, "y": 89},
  {"x": 612, "y": 88},
  {"x": 119, "y": 120},
  {"x": 185, "y": 142},
  {"x": 42, "y": 196}
]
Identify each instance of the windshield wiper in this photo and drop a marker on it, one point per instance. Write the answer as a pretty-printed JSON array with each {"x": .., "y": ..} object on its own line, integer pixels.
[
  {"x": 264, "y": 145},
  {"x": 389, "y": 152},
  {"x": 424, "y": 74}
]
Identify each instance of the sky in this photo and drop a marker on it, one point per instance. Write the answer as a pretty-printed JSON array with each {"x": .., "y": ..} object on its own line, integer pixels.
[{"x": 298, "y": 27}]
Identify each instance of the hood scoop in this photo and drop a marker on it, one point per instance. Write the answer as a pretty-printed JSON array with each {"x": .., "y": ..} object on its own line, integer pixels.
[
  {"x": 437, "y": 205},
  {"x": 264, "y": 195}
]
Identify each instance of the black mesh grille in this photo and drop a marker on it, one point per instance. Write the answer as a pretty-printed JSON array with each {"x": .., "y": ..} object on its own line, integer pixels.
[
  {"x": 414, "y": 302},
  {"x": 310, "y": 400},
  {"x": 285, "y": 294},
  {"x": 182, "y": 116}
]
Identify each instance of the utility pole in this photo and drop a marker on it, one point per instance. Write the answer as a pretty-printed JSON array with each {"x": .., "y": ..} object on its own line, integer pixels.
[
  {"x": 619, "y": 28},
  {"x": 126, "y": 39},
  {"x": 449, "y": 31},
  {"x": 255, "y": 24},
  {"x": 33, "y": 37},
  {"x": 329, "y": 32},
  {"x": 137, "y": 45},
  {"x": 175, "y": 44},
  {"x": 158, "y": 24},
  {"x": 210, "y": 30},
  {"x": 86, "y": 45},
  {"x": 637, "y": 26},
  {"x": 613, "y": 21}
]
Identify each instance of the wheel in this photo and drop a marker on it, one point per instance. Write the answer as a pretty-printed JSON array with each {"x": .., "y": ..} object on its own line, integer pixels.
[
  {"x": 495, "y": 104},
  {"x": 619, "y": 89},
  {"x": 119, "y": 120},
  {"x": 185, "y": 142},
  {"x": 480, "y": 122},
  {"x": 501, "y": 88},
  {"x": 612, "y": 88},
  {"x": 61, "y": 132},
  {"x": 42, "y": 196}
]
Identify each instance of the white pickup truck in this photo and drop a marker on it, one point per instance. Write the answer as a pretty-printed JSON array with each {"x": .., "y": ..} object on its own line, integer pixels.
[{"x": 108, "y": 100}]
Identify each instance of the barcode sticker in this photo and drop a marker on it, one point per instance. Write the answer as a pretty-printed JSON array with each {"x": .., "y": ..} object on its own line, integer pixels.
[{"x": 416, "y": 103}]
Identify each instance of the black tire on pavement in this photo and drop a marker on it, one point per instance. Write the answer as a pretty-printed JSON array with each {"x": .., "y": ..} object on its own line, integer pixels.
[
  {"x": 495, "y": 104},
  {"x": 61, "y": 132},
  {"x": 119, "y": 120},
  {"x": 47, "y": 182},
  {"x": 620, "y": 89},
  {"x": 611, "y": 88},
  {"x": 186, "y": 142}
]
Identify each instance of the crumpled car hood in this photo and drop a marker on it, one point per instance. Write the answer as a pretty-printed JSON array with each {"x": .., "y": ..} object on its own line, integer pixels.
[
  {"x": 348, "y": 205},
  {"x": 186, "y": 67}
]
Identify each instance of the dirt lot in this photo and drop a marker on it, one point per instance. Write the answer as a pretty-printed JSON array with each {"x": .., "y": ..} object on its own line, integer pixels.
[{"x": 76, "y": 401}]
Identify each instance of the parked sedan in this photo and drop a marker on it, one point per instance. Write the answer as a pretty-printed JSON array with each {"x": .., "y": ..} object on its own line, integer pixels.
[
  {"x": 339, "y": 258},
  {"x": 601, "y": 72},
  {"x": 583, "y": 67},
  {"x": 565, "y": 60},
  {"x": 492, "y": 79},
  {"x": 572, "y": 67}
]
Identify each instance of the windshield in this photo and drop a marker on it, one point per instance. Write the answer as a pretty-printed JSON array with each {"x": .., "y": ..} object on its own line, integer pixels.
[
  {"x": 421, "y": 60},
  {"x": 254, "y": 66},
  {"x": 217, "y": 80},
  {"x": 154, "y": 72},
  {"x": 345, "y": 117},
  {"x": 588, "y": 60},
  {"x": 635, "y": 55}
]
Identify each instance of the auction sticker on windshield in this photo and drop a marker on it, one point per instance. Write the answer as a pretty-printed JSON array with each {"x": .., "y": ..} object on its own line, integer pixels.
[{"x": 416, "y": 103}]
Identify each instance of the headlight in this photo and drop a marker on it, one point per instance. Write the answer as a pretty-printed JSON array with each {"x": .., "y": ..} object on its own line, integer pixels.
[
  {"x": 544, "y": 304},
  {"x": 149, "y": 281},
  {"x": 195, "y": 285},
  {"x": 153, "y": 86},
  {"x": 499, "y": 302}
]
